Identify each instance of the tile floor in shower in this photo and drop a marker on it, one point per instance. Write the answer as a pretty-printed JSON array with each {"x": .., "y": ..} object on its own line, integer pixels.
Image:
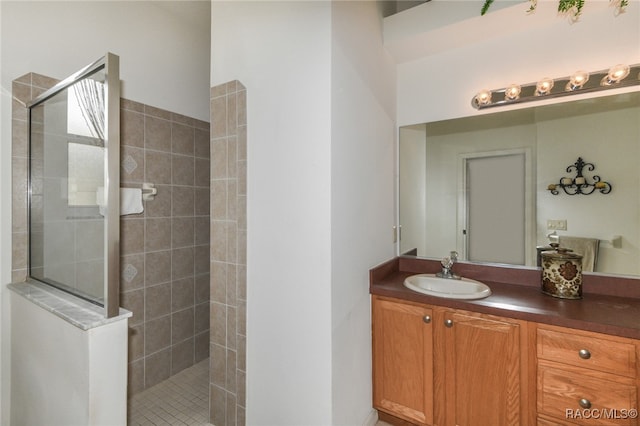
[{"x": 182, "y": 399}]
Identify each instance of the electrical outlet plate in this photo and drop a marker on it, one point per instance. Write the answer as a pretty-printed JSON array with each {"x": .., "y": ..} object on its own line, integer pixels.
[{"x": 557, "y": 224}]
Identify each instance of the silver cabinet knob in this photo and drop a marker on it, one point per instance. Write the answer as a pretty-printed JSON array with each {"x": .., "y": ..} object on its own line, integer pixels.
[
  {"x": 584, "y": 354},
  {"x": 426, "y": 319},
  {"x": 448, "y": 323},
  {"x": 584, "y": 403}
]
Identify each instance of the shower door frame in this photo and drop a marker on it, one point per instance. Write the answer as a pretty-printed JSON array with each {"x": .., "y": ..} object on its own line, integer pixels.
[{"x": 110, "y": 63}]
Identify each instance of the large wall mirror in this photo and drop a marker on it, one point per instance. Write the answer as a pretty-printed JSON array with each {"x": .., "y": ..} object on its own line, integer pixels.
[{"x": 479, "y": 185}]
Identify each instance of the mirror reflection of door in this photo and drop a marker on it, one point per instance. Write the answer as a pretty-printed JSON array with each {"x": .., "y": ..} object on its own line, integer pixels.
[{"x": 495, "y": 224}]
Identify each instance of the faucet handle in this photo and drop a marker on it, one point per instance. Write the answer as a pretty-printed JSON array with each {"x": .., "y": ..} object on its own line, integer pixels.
[
  {"x": 447, "y": 262},
  {"x": 454, "y": 256}
]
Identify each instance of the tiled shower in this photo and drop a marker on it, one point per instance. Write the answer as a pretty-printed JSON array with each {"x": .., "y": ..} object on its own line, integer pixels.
[
  {"x": 165, "y": 250},
  {"x": 228, "y": 253}
]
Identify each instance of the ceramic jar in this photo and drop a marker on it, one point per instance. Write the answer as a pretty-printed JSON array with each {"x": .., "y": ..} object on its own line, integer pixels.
[{"x": 562, "y": 273}]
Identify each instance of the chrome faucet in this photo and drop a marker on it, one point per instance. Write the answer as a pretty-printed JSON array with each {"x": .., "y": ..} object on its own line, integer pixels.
[{"x": 447, "y": 264}]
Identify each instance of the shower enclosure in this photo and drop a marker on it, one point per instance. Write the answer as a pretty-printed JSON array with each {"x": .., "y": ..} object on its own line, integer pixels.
[{"x": 74, "y": 180}]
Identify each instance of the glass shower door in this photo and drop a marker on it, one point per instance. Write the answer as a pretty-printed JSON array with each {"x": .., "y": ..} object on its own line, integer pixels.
[{"x": 74, "y": 185}]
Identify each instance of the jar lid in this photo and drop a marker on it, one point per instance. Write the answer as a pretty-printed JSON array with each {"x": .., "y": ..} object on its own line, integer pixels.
[{"x": 561, "y": 253}]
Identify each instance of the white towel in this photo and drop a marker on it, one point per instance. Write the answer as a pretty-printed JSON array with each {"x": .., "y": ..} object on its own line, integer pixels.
[
  {"x": 587, "y": 247},
  {"x": 130, "y": 201}
]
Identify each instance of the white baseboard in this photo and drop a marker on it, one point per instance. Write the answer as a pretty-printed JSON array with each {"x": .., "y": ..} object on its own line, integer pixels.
[{"x": 372, "y": 419}]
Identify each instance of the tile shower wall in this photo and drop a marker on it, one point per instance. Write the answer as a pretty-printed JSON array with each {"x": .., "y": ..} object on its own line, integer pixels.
[
  {"x": 228, "y": 254},
  {"x": 165, "y": 250},
  {"x": 23, "y": 90}
]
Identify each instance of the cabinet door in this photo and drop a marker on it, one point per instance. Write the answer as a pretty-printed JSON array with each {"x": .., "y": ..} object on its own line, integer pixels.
[
  {"x": 482, "y": 370},
  {"x": 403, "y": 360}
]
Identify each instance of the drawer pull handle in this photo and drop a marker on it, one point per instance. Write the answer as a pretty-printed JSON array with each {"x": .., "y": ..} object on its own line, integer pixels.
[
  {"x": 448, "y": 323},
  {"x": 426, "y": 319},
  {"x": 585, "y": 403},
  {"x": 584, "y": 354}
]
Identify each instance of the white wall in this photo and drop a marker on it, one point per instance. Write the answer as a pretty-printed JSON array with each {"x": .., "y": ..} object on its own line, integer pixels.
[
  {"x": 164, "y": 61},
  {"x": 55, "y": 386},
  {"x": 505, "y": 46},
  {"x": 362, "y": 192},
  {"x": 320, "y": 96},
  {"x": 614, "y": 149},
  {"x": 281, "y": 53}
]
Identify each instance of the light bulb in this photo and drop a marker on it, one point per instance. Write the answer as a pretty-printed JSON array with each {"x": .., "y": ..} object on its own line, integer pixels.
[
  {"x": 577, "y": 80},
  {"x": 544, "y": 86},
  {"x": 483, "y": 97},
  {"x": 512, "y": 92},
  {"x": 616, "y": 73}
]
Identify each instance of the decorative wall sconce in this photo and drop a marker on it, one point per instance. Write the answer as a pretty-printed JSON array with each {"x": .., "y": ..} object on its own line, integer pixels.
[
  {"x": 580, "y": 184},
  {"x": 579, "y": 82}
]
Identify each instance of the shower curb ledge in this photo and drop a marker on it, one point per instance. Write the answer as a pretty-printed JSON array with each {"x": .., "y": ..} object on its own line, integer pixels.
[{"x": 76, "y": 311}]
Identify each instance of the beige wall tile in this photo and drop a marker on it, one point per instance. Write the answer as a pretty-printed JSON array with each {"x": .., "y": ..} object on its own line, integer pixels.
[
  {"x": 157, "y": 267},
  {"x": 160, "y": 206},
  {"x": 182, "y": 325},
  {"x": 157, "y": 368},
  {"x": 131, "y": 128},
  {"x": 157, "y": 234},
  {"x": 201, "y": 319},
  {"x": 217, "y": 405},
  {"x": 182, "y": 201},
  {"x": 131, "y": 164},
  {"x": 157, "y": 301},
  {"x": 131, "y": 272},
  {"x": 182, "y": 139},
  {"x": 201, "y": 289},
  {"x": 157, "y": 133},
  {"x": 157, "y": 334},
  {"x": 157, "y": 167},
  {"x": 182, "y": 230},
  {"x": 131, "y": 236},
  {"x": 182, "y": 356},
  {"x": 183, "y": 170},
  {"x": 182, "y": 294},
  {"x": 202, "y": 143},
  {"x": 136, "y": 342},
  {"x": 134, "y": 302}
]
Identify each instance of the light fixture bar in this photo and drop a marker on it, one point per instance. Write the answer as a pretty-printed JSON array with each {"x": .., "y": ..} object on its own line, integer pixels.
[{"x": 579, "y": 82}]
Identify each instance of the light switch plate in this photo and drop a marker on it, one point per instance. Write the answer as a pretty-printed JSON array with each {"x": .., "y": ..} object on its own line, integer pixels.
[{"x": 557, "y": 224}]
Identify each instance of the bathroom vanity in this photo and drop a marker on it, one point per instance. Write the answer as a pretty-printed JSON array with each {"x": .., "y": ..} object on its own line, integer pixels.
[{"x": 517, "y": 357}]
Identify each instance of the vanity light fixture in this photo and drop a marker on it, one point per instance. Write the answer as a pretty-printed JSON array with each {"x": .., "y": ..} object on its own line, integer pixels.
[
  {"x": 544, "y": 86},
  {"x": 513, "y": 92},
  {"x": 615, "y": 74},
  {"x": 579, "y": 184},
  {"x": 578, "y": 82},
  {"x": 483, "y": 97}
]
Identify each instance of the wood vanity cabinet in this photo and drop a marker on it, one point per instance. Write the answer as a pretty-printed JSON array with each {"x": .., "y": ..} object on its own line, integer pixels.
[
  {"x": 586, "y": 378},
  {"x": 485, "y": 369},
  {"x": 403, "y": 360},
  {"x": 437, "y": 366}
]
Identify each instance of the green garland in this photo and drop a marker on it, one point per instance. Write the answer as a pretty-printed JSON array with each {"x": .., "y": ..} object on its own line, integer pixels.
[{"x": 564, "y": 6}]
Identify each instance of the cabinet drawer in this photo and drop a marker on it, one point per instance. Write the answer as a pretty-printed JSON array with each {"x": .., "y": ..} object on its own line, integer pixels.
[
  {"x": 560, "y": 393},
  {"x": 588, "y": 351}
]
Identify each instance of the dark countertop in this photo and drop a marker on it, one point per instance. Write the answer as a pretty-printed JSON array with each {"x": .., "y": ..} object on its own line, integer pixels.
[{"x": 516, "y": 294}]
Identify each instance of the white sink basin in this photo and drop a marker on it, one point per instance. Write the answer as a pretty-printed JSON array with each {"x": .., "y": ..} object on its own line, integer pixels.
[{"x": 464, "y": 288}]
